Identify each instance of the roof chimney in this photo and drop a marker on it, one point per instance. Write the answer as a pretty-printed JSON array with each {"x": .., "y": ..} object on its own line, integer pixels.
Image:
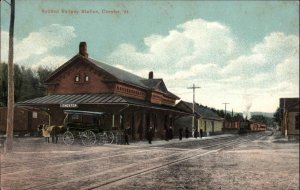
[
  {"x": 151, "y": 75},
  {"x": 83, "y": 49}
]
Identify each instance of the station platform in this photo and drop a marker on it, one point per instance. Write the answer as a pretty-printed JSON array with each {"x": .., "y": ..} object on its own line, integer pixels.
[
  {"x": 145, "y": 143},
  {"x": 38, "y": 144}
]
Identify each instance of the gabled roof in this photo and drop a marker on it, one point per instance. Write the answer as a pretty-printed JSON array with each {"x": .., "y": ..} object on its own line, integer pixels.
[
  {"x": 200, "y": 110},
  {"x": 119, "y": 74},
  {"x": 159, "y": 85},
  {"x": 288, "y": 102},
  {"x": 151, "y": 83}
]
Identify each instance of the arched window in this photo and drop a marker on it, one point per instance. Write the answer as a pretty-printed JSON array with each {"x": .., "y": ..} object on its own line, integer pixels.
[
  {"x": 77, "y": 78},
  {"x": 86, "y": 78}
]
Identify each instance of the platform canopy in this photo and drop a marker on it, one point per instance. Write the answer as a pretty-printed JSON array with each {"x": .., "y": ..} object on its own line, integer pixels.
[{"x": 74, "y": 100}]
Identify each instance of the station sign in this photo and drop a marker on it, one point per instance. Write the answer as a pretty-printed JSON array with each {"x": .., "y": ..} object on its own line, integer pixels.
[{"x": 69, "y": 105}]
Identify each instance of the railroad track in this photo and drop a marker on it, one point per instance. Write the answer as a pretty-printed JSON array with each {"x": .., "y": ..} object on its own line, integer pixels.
[
  {"x": 105, "y": 178},
  {"x": 229, "y": 144},
  {"x": 9, "y": 169},
  {"x": 54, "y": 164},
  {"x": 36, "y": 164}
]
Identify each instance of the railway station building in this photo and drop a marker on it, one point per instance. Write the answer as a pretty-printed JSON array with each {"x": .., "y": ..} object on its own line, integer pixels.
[
  {"x": 290, "y": 124},
  {"x": 127, "y": 100},
  {"x": 205, "y": 119}
]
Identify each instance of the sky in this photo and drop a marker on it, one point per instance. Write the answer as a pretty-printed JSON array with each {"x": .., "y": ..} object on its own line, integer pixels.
[{"x": 245, "y": 53}]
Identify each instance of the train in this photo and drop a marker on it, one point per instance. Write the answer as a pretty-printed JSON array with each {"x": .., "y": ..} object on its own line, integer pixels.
[{"x": 243, "y": 126}]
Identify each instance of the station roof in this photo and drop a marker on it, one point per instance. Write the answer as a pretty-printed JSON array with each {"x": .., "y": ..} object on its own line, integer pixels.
[
  {"x": 120, "y": 74},
  {"x": 75, "y": 99},
  {"x": 200, "y": 110},
  {"x": 93, "y": 99}
]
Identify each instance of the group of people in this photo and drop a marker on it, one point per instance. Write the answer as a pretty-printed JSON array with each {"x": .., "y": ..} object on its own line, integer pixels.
[
  {"x": 149, "y": 135},
  {"x": 168, "y": 134},
  {"x": 187, "y": 132}
]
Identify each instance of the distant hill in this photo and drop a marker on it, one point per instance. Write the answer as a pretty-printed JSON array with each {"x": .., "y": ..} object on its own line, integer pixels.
[{"x": 266, "y": 114}]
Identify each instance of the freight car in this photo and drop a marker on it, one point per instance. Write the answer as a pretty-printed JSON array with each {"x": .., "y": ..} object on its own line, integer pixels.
[
  {"x": 25, "y": 120},
  {"x": 243, "y": 126}
]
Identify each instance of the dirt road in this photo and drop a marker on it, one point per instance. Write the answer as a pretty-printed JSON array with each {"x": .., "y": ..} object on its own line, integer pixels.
[{"x": 254, "y": 161}]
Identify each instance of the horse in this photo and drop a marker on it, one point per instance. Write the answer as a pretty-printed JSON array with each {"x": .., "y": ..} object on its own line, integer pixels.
[{"x": 51, "y": 131}]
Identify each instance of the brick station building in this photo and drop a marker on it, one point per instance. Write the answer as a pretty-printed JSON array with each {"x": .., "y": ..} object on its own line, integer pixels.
[{"x": 127, "y": 100}]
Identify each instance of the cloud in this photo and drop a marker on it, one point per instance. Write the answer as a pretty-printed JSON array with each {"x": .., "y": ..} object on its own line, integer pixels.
[
  {"x": 190, "y": 43},
  {"x": 288, "y": 69},
  {"x": 4, "y": 46},
  {"x": 38, "y": 44},
  {"x": 50, "y": 61},
  {"x": 207, "y": 54}
]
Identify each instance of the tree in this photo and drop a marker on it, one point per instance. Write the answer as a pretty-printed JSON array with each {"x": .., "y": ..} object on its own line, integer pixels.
[
  {"x": 28, "y": 83},
  {"x": 277, "y": 117},
  {"x": 4, "y": 83},
  {"x": 43, "y": 74},
  {"x": 11, "y": 96},
  {"x": 259, "y": 118},
  {"x": 237, "y": 117}
]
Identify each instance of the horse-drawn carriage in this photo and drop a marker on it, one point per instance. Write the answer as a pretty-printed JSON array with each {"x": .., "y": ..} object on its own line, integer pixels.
[{"x": 88, "y": 127}]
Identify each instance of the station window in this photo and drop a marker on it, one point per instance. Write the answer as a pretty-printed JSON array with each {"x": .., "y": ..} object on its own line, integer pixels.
[
  {"x": 34, "y": 114},
  {"x": 86, "y": 78},
  {"x": 77, "y": 78}
]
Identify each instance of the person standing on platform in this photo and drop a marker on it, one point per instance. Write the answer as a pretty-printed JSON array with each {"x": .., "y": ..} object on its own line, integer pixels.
[
  {"x": 170, "y": 132},
  {"x": 150, "y": 135},
  {"x": 166, "y": 134},
  {"x": 201, "y": 133},
  {"x": 126, "y": 135},
  {"x": 180, "y": 133},
  {"x": 196, "y": 133}
]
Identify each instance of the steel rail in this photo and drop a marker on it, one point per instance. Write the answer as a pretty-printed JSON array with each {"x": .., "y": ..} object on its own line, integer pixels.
[
  {"x": 103, "y": 184},
  {"x": 140, "y": 172}
]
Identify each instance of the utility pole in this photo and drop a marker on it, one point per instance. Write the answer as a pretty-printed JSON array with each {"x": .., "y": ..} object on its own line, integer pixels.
[
  {"x": 284, "y": 119},
  {"x": 225, "y": 110},
  {"x": 10, "y": 93},
  {"x": 194, "y": 88}
]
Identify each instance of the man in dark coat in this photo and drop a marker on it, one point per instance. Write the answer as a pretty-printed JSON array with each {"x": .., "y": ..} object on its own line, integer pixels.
[
  {"x": 186, "y": 132},
  {"x": 196, "y": 133},
  {"x": 150, "y": 135},
  {"x": 126, "y": 135},
  {"x": 166, "y": 134},
  {"x": 201, "y": 133},
  {"x": 180, "y": 133},
  {"x": 170, "y": 132}
]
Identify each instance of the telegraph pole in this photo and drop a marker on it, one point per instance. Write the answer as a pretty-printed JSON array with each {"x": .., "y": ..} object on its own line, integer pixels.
[
  {"x": 10, "y": 91},
  {"x": 194, "y": 88},
  {"x": 225, "y": 110},
  {"x": 284, "y": 119}
]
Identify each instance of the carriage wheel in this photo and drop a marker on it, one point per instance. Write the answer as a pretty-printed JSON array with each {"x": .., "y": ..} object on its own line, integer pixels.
[
  {"x": 110, "y": 137},
  {"x": 88, "y": 138},
  {"x": 68, "y": 138},
  {"x": 101, "y": 138}
]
